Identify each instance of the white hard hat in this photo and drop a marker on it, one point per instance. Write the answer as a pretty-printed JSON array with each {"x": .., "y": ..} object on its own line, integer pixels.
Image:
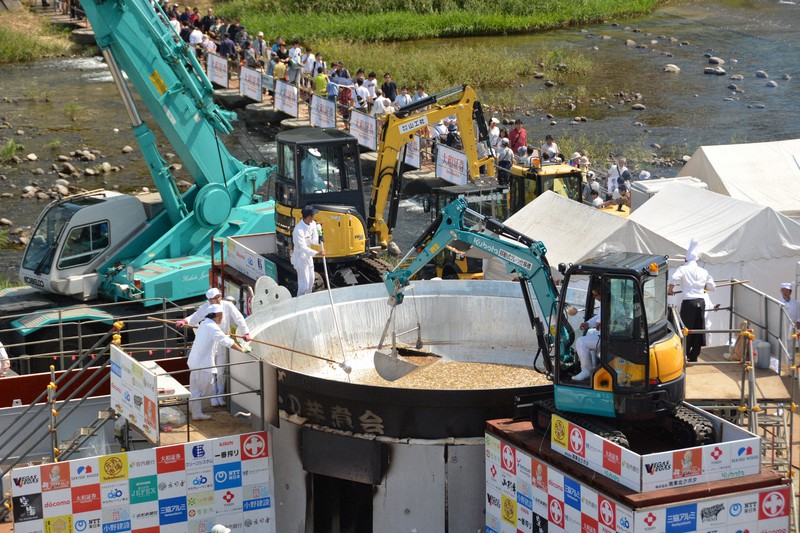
[
  {"x": 576, "y": 155},
  {"x": 213, "y": 292}
]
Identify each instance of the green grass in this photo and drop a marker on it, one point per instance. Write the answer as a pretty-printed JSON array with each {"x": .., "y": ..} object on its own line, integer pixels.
[
  {"x": 399, "y": 20},
  {"x": 28, "y": 37},
  {"x": 9, "y": 149},
  {"x": 74, "y": 110}
]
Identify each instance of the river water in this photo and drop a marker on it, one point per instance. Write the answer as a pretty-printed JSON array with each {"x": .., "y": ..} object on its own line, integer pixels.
[{"x": 683, "y": 111}]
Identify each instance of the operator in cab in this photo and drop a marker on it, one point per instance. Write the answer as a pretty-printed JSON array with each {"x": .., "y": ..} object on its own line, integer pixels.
[
  {"x": 309, "y": 170},
  {"x": 308, "y": 242},
  {"x": 587, "y": 344}
]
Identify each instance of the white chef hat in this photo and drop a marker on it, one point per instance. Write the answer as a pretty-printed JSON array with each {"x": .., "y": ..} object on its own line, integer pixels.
[
  {"x": 691, "y": 252},
  {"x": 213, "y": 292},
  {"x": 786, "y": 286},
  {"x": 214, "y": 308}
]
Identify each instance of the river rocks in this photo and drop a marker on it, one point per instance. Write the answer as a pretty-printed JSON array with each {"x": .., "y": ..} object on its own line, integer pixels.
[
  {"x": 761, "y": 74},
  {"x": 393, "y": 250},
  {"x": 37, "y": 171},
  {"x": 686, "y": 158},
  {"x": 605, "y": 37},
  {"x": 630, "y": 43},
  {"x": 638, "y": 107},
  {"x": 733, "y": 87},
  {"x": 32, "y": 157},
  {"x": 736, "y": 77},
  {"x": 655, "y": 146},
  {"x": 549, "y": 83},
  {"x": 15, "y": 159},
  {"x": 61, "y": 190},
  {"x": 786, "y": 77},
  {"x": 90, "y": 172},
  {"x": 5, "y": 222},
  {"x": 62, "y": 183},
  {"x": 549, "y": 116},
  {"x": 183, "y": 184},
  {"x": 20, "y": 132},
  {"x": 6, "y": 195},
  {"x": 772, "y": 83},
  {"x": 716, "y": 60},
  {"x": 63, "y": 158},
  {"x": 41, "y": 195},
  {"x": 672, "y": 69},
  {"x": 718, "y": 71},
  {"x": 538, "y": 75},
  {"x": 68, "y": 168},
  {"x": 127, "y": 149}
]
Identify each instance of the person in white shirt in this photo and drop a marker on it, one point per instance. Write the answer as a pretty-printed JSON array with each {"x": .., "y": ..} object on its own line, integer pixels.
[
  {"x": 361, "y": 97},
  {"x": 208, "y": 340},
  {"x": 306, "y": 234},
  {"x": 195, "y": 37},
  {"x": 379, "y": 104},
  {"x": 5, "y": 362},
  {"x": 308, "y": 59},
  {"x": 231, "y": 317},
  {"x": 616, "y": 171},
  {"x": 295, "y": 51},
  {"x": 694, "y": 281},
  {"x": 550, "y": 147},
  {"x": 420, "y": 94},
  {"x": 494, "y": 134},
  {"x": 209, "y": 46},
  {"x": 403, "y": 99},
  {"x": 590, "y": 340},
  {"x": 371, "y": 84},
  {"x": 793, "y": 311}
]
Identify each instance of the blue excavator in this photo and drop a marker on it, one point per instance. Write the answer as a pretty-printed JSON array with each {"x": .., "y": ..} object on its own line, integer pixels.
[{"x": 634, "y": 377}]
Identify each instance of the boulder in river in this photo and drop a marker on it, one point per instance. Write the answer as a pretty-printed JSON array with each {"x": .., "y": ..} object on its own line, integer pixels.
[
  {"x": 5, "y": 222},
  {"x": 630, "y": 43},
  {"x": 718, "y": 71},
  {"x": 737, "y": 77},
  {"x": 761, "y": 74},
  {"x": 638, "y": 107},
  {"x": 716, "y": 60},
  {"x": 127, "y": 149},
  {"x": 32, "y": 157},
  {"x": 772, "y": 83},
  {"x": 673, "y": 69}
]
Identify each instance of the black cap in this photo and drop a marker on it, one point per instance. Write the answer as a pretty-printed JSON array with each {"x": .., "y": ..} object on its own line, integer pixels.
[{"x": 309, "y": 211}]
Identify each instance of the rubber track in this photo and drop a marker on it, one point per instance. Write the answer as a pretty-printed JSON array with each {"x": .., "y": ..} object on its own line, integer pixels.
[
  {"x": 589, "y": 423},
  {"x": 687, "y": 421},
  {"x": 373, "y": 268}
]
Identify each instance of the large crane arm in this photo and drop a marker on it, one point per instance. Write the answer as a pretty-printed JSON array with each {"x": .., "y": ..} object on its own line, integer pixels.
[
  {"x": 522, "y": 255},
  {"x": 399, "y": 129},
  {"x": 165, "y": 73}
]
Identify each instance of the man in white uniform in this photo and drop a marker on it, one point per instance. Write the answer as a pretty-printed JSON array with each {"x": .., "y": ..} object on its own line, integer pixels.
[
  {"x": 5, "y": 362},
  {"x": 201, "y": 361},
  {"x": 230, "y": 317},
  {"x": 615, "y": 172},
  {"x": 584, "y": 345},
  {"x": 694, "y": 281},
  {"x": 306, "y": 234},
  {"x": 793, "y": 311}
]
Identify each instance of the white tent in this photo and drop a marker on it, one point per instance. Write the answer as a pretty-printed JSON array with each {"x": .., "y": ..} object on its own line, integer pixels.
[
  {"x": 763, "y": 173},
  {"x": 737, "y": 239}
]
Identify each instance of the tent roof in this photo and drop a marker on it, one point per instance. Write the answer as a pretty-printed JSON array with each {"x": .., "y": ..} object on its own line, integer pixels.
[
  {"x": 728, "y": 230},
  {"x": 741, "y": 171}
]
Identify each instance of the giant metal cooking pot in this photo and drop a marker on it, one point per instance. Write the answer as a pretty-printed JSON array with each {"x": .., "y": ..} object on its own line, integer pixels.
[{"x": 465, "y": 321}]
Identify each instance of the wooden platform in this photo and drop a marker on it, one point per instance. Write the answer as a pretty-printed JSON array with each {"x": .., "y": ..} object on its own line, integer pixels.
[{"x": 722, "y": 381}]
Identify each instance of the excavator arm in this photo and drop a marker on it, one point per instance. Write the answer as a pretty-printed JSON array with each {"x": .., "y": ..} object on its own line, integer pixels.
[
  {"x": 523, "y": 256},
  {"x": 399, "y": 129},
  {"x": 137, "y": 39}
]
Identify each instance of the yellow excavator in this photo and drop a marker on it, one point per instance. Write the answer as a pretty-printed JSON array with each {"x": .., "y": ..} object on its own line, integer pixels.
[{"x": 321, "y": 166}]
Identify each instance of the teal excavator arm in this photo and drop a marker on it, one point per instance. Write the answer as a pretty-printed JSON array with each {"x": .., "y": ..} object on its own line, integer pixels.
[
  {"x": 136, "y": 38},
  {"x": 522, "y": 255}
]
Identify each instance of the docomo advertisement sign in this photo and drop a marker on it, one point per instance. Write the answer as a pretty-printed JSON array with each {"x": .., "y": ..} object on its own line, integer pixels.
[
  {"x": 182, "y": 487},
  {"x": 217, "y": 69},
  {"x": 451, "y": 165},
  {"x": 286, "y": 98},
  {"x": 364, "y": 128},
  {"x": 412, "y": 153},
  {"x": 524, "y": 493},
  {"x": 134, "y": 393},
  {"x": 323, "y": 112},
  {"x": 250, "y": 84}
]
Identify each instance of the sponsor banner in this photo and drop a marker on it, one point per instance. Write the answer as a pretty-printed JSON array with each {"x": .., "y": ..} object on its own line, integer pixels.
[
  {"x": 250, "y": 84},
  {"x": 412, "y": 154},
  {"x": 286, "y": 98},
  {"x": 217, "y": 70},
  {"x": 267, "y": 82},
  {"x": 364, "y": 128},
  {"x": 735, "y": 458},
  {"x": 323, "y": 112},
  {"x": 452, "y": 165},
  {"x": 183, "y": 487},
  {"x": 549, "y": 500},
  {"x": 134, "y": 393}
]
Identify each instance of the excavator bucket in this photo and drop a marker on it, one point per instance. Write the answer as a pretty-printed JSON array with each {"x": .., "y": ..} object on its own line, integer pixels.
[{"x": 389, "y": 366}]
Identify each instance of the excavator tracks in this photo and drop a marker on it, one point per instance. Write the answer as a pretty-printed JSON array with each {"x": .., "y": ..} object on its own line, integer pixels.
[
  {"x": 547, "y": 408},
  {"x": 685, "y": 429},
  {"x": 373, "y": 268},
  {"x": 690, "y": 429}
]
